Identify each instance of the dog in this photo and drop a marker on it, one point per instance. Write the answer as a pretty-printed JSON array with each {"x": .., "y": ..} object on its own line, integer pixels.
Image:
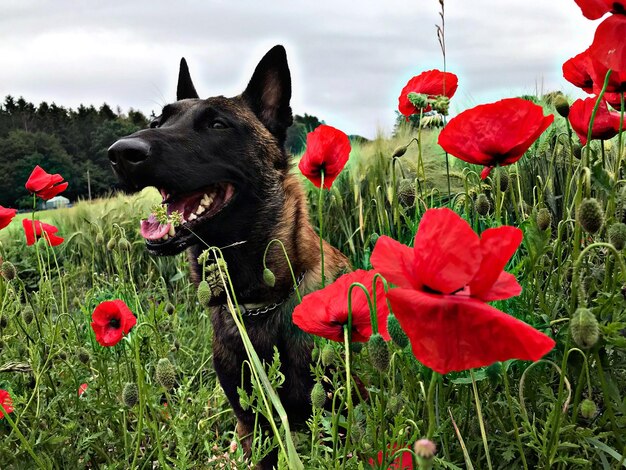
[{"x": 221, "y": 164}]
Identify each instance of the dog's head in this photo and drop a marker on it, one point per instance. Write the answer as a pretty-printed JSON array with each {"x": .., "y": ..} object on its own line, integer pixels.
[{"x": 217, "y": 162}]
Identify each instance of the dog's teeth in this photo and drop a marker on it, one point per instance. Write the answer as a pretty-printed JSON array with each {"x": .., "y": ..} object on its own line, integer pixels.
[
  {"x": 165, "y": 237},
  {"x": 200, "y": 210},
  {"x": 172, "y": 231},
  {"x": 193, "y": 217}
]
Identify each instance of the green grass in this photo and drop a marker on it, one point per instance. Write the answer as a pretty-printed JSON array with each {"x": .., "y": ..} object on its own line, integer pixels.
[{"x": 40, "y": 361}]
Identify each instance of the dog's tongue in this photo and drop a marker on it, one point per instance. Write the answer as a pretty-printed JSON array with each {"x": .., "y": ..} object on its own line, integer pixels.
[{"x": 151, "y": 229}]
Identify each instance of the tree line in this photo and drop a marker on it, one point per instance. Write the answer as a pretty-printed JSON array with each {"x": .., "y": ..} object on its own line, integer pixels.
[{"x": 74, "y": 142}]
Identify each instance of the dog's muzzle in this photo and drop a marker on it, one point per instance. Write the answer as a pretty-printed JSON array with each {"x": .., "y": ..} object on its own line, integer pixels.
[{"x": 127, "y": 156}]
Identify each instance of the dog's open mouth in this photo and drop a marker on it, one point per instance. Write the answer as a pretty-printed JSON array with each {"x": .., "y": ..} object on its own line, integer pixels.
[{"x": 179, "y": 214}]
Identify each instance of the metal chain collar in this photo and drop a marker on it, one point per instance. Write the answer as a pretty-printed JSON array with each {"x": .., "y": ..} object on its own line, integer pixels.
[{"x": 254, "y": 312}]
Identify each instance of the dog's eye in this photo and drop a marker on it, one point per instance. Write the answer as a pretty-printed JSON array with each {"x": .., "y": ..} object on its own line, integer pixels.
[{"x": 217, "y": 125}]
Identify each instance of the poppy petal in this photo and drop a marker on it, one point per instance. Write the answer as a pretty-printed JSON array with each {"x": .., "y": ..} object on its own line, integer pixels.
[
  {"x": 606, "y": 124},
  {"x": 447, "y": 251},
  {"x": 505, "y": 287},
  {"x": 6, "y": 216},
  {"x": 608, "y": 45},
  {"x": 455, "y": 333},
  {"x": 395, "y": 262},
  {"x": 328, "y": 150},
  {"x": 578, "y": 71},
  {"x": 431, "y": 83},
  {"x": 594, "y": 9},
  {"x": 497, "y": 245}
]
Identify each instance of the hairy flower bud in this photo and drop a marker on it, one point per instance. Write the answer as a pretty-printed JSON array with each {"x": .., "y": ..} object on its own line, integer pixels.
[
  {"x": 588, "y": 409},
  {"x": 99, "y": 238},
  {"x": 418, "y": 100},
  {"x": 441, "y": 104},
  {"x": 544, "y": 219},
  {"x": 165, "y": 374},
  {"x": 318, "y": 395},
  {"x": 504, "y": 179},
  {"x": 562, "y": 105},
  {"x": 111, "y": 244},
  {"x": 123, "y": 244},
  {"x": 396, "y": 332},
  {"x": 379, "y": 352},
  {"x": 425, "y": 451},
  {"x": 584, "y": 328},
  {"x": 328, "y": 355},
  {"x": 268, "y": 277},
  {"x": 617, "y": 235},
  {"x": 406, "y": 192},
  {"x": 83, "y": 355},
  {"x": 204, "y": 293},
  {"x": 482, "y": 204},
  {"x": 400, "y": 150},
  {"x": 8, "y": 270},
  {"x": 27, "y": 314},
  {"x": 590, "y": 215},
  {"x": 130, "y": 394}
]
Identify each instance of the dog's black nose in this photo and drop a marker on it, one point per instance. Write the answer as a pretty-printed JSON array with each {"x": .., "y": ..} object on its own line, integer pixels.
[{"x": 132, "y": 151}]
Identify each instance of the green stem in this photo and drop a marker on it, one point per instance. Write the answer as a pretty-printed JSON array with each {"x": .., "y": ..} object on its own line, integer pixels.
[
  {"x": 513, "y": 420},
  {"x": 21, "y": 437},
  {"x": 430, "y": 404},
  {"x": 480, "y": 420},
  {"x": 346, "y": 340},
  {"x": 319, "y": 216}
]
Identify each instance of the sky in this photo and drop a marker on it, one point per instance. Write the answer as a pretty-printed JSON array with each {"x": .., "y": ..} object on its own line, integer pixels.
[{"x": 348, "y": 59}]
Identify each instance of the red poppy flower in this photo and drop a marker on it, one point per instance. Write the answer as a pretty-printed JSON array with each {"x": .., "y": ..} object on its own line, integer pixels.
[
  {"x": 6, "y": 403},
  {"x": 494, "y": 134},
  {"x": 594, "y": 9},
  {"x": 443, "y": 284},
  {"x": 111, "y": 320},
  {"x": 578, "y": 71},
  {"x": 327, "y": 150},
  {"x": 403, "y": 462},
  {"x": 608, "y": 44},
  {"x": 325, "y": 312},
  {"x": 432, "y": 83},
  {"x": 45, "y": 185},
  {"x": 6, "y": 216},
  {"x": 605, "y": 124},
  {"x": 617, "y": 80},
  {"x": 614, "y": 99},
  {"x": 82, "y": 388},
  {"x": 35, "y": 229}
]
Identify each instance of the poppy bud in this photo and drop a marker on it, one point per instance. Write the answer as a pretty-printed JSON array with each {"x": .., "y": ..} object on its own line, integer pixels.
[
  {"x": 111, "y": 244},
  {"x": 130, "y": 394},
  {"x": 406, "y": 192},
  {"x": 204, "y": 293},
  {"x": 418, "y": 100},
  {"x": 617, "y": 235},
  {"x": 165, "y": 374},
  {"x": 482, "y": 204},
  {"x": 504, "y": 179},
  {"x": 8, "y": 270},
  {"x": 584, "y": 328},
  {"x": 123, "y": 244},
  {"x": 590, "y": 215},
  {"x": 544, "y": 219},
  {"x": 441, "y": 104},
  {"x": 83, "y": 355},
  {"x": 356, "y": 347},
  {"x": 318, "y": 395},
  {"x": 328, "y": 355},
  {"x": 169, "y": 308},
  {"x": 379, "y": 352},
  {"x": 425, "y": 451},
  {"x": 588, "y": 409},
  {"x": 396, "y": 332},
  {"x": 400, "y": 150},
  {"x": 99, "y": 238},
  {"x": 27, "y": 314},
  {"x": 562, "y": 106},
  {"x": 268, "y": 277}
]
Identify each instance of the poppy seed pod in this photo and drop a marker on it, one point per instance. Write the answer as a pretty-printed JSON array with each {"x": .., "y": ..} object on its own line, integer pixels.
[
  {"x": 588, "y": 409},
  {"x": 584, "y": 328},
  {"x": 482, "y": 204},
  {"x": 318, "y": 395},
  {"x": 396, "y": 332},
  {"x": 617, "y": 235},
  {"x": 83, "y": 355},
  {"x": 590, "y": 215},
  {"x": 268, "y": 277},
  {"x": 165, "y": 373},
  {"x": 544, "y": 219},
  {"x": 561, "y": 105},
  {"x": 130, "y": 394},
  {"x": 8, "y": 271},
  {"x": 379, "y": 352},
  {"x": 204, "y": 293}
]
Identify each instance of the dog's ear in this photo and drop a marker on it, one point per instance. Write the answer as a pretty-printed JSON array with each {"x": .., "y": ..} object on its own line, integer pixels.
[
  {"x": 269, "y": 92},
  {"x": 185, "y": 88}
]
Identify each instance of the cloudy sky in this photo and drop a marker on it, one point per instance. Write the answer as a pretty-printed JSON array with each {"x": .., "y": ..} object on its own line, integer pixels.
[{"x": 348, "y": 59}]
